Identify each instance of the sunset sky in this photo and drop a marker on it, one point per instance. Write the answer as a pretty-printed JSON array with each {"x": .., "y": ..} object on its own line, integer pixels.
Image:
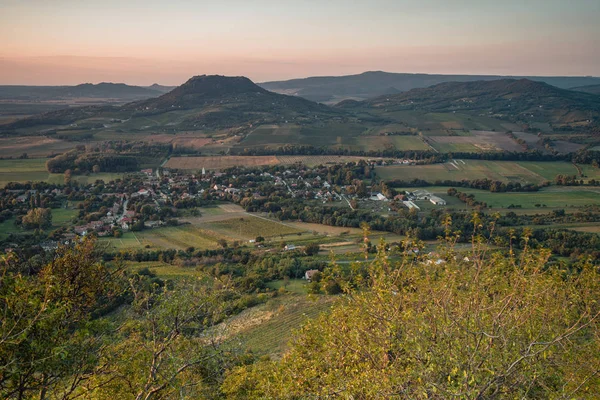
[{"x": 145, "y": 41}]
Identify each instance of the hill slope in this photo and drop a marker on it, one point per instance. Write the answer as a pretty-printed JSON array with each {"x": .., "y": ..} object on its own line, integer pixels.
[
  {"x": 375, "y": 83},
  {"x": 517, "y": 100},
  {"x": 593, "y": 89},
  {"x": 202, "y": 102}
]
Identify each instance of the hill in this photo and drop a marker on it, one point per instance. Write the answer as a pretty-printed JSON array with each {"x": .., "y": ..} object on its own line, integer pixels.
[
  {"x": 202, "y": 102},
  {"x": 104, "y": 90},
  {"x": 520, "y": 100},
  {"x": 161, "y": 88},
  {"x": 332, "y": 89},
  {"x": 593, "y": 89}
]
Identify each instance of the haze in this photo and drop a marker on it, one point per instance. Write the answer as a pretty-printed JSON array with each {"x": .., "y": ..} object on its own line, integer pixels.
[{"x": 146, "y": 41}]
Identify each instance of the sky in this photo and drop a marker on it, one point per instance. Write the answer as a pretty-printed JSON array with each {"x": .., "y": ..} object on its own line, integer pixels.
[{"x": 60, "y": 42}]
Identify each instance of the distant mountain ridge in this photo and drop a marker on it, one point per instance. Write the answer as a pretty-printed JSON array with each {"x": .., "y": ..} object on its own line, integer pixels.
[
  {"x": 104, "y": 90},
  {"x": 332, "y": 89}
]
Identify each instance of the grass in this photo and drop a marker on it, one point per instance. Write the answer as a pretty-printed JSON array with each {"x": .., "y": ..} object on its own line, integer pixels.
[
  {"x": 267, "y": 329},
  {"x": 551, "y": 197},
  {"x": 297, "y": 286},
  {"x": 7, "y": 227},
  {"x": 506, "y": 171},
  {"x": 62, "y": 216},
  {"x": 34, "y": 170},
  {"x": 163, "y": 270},
  {"x": 249, "y": 227}
]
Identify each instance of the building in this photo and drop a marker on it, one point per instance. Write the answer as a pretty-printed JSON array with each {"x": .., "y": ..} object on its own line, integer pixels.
[
  {"x": 409, "y": 204},
  {"x": 308, "y": 275},
  {"x": 438, "y": 201}
]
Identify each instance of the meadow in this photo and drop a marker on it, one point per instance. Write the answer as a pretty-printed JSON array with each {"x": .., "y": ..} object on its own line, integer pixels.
[
  {"x": 266, "y": 329},
  {"x": 552, "y": 197},
  {"x": 457, "y": 170},
  {"x": 34, "y": 170}
]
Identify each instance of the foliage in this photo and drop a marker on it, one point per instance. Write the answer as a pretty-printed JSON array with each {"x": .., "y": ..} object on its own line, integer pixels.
[
  {"x": 48, "y": 336},
  {"x": 37, "y": 218},
  {"x": 488, "y": 326}
]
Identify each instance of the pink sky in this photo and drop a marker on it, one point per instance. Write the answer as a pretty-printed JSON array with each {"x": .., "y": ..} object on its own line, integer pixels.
[{"x": 143, "y": 42}]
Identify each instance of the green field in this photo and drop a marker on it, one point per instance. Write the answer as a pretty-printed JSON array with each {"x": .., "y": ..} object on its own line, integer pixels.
[
  {"x": 23, "y": 170},
  {"x": 377, "y": 143},
  {"x": 249, "y": 227},
  {"x": 317, "y": 134},
  {"x": 297, "y": 286},
  {"x": 267, "y": 328},
  {"x": 179, "y": 237},
  {"x": 552, "y": 197},
  {"x": 34, "y": 170},
  {"x": 436, "y": 123},
  {"x": 506, "y": 171},
  {"x": 162, "y": 270}
]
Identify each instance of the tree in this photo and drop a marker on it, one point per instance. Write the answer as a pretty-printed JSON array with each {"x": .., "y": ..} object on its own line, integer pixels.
[
  {"x": 166, "y": 350},
  {"x": 312, "y": 249},
  {"x": 49, "y": 342},
  {"x": 489, "y": 326},
  {"x": 96, "y": 168},
  {"x": 68, "y": 177},
  {"x": 37, "y": 218}
]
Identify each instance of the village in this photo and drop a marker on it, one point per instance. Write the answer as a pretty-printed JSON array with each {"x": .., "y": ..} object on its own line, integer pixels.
[{"x": 153, "y": 198}]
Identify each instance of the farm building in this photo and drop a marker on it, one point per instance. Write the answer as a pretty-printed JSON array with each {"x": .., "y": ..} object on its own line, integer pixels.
[
  {"x": 438, "y": 201},
  {"x": 378, "y": 197},
  {"x": 410, "y": 204},
  {"x": 308, "y": 275},
  {"x": 290, "y": 247}
]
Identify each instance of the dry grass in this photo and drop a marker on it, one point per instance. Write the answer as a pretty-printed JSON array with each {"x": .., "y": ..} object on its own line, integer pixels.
[
  {"x": 219, "y": 162},
  {"x": 34, "y": 146},
  {"x": 222, "y": 162}
]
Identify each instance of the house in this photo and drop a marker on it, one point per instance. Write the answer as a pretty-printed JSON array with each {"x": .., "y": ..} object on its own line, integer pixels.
[
  {"x": 147, "y": 171},
  {"x": 438, "y": 201},
  {"x": 308, "y": 275},
  {"x": 289, "y": 247}
]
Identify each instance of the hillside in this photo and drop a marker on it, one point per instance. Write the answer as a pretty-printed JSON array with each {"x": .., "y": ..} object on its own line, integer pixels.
[
  {"x": 202, "y": 102},
  {"x": 332, "y": 89},
  {"x": 593, "y": 89},
  {"x": 516, "y": 100}
]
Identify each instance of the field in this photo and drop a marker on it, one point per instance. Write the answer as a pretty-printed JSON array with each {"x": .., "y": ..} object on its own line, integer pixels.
[
  {"x": 179, "y": 237},
  {"x": 34, "y": 169},
  {"x": 249, "y": 227},
  {"x": 219, "y": 163},
  {"x": 552, "y": 197},
  {"x": 315, "y": 134},
  {"x": 477, "y": 141},
  {"x": 457, "y": 170},
  {"x": 23, "y": 170},
  {"x": 436, "y": 123},
  {"x": 34, "y": 146},
  {"x": 223, "y": 162},
  {"x": 266, "y": 329},
  {"x": 272, "y": 134},
  {"x": 205, "y": 232},
  {"x": 376, "y": 143},
  {"x": 311, "y": 161}
]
